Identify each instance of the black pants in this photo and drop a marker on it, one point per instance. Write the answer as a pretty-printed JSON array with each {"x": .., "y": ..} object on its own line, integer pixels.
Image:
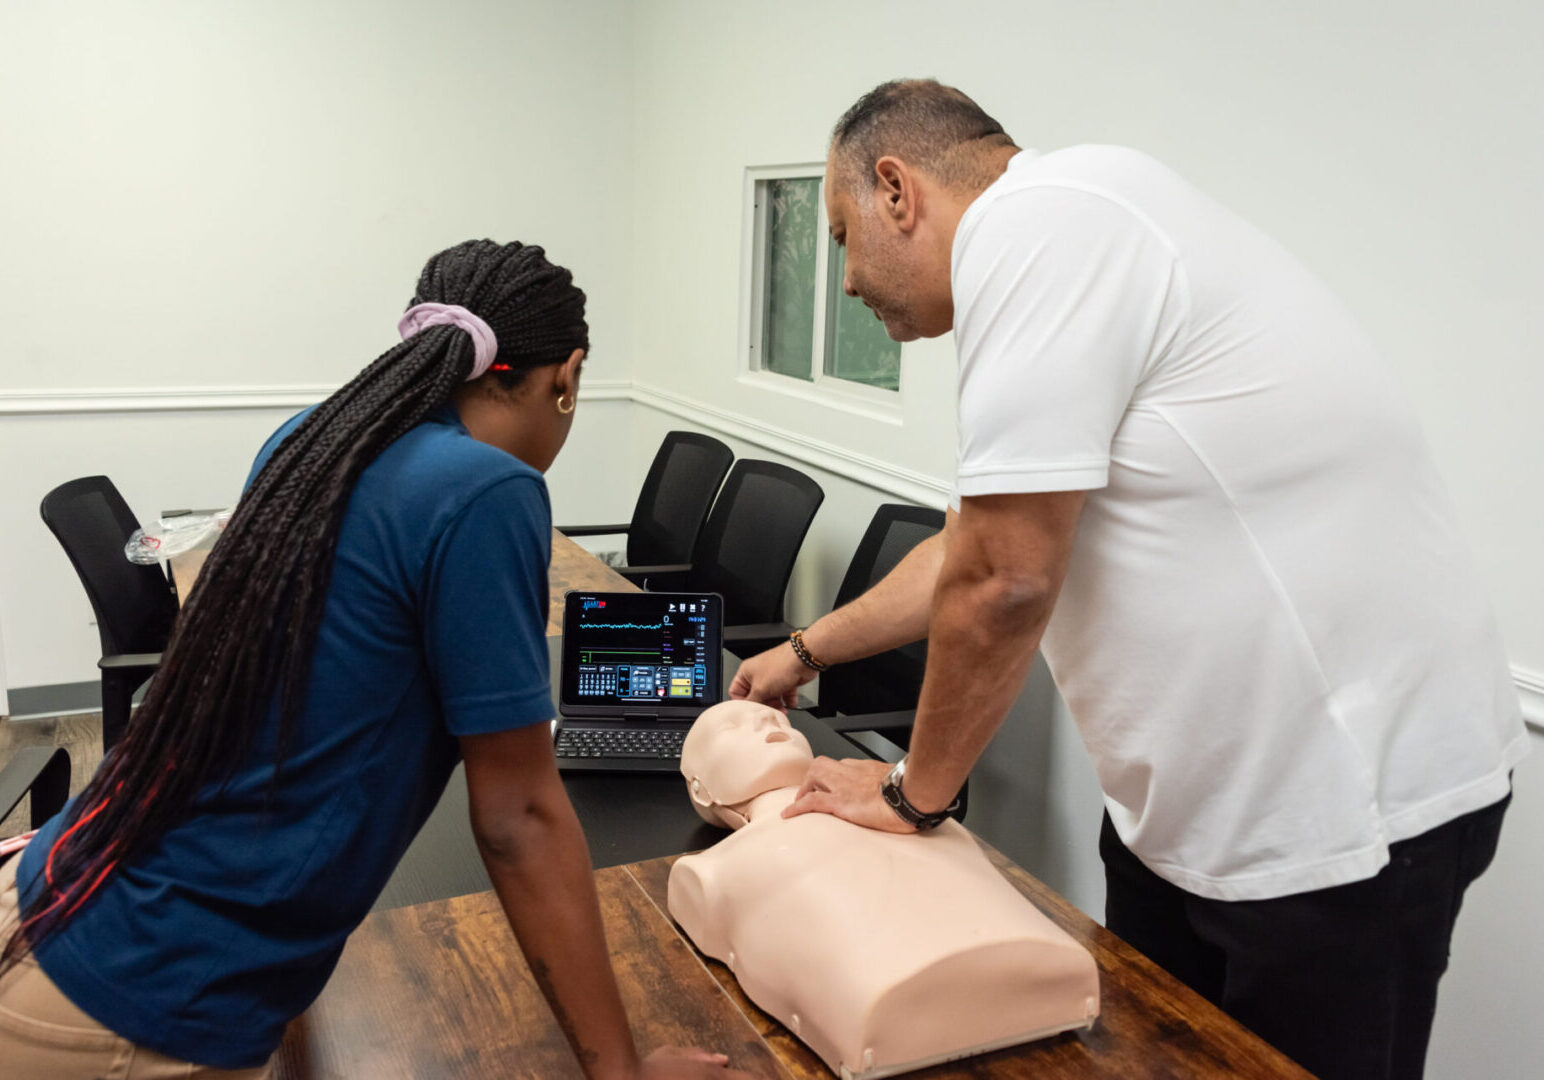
[{"x": 1341, "y": 980}]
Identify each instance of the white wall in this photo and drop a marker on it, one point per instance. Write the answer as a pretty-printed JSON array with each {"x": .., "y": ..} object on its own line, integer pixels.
[
  {"x": 240, "y": 196},
  {"x": 1392, "y": 146}
]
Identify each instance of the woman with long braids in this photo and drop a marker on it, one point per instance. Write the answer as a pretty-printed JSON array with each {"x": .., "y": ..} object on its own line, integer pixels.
[{"x": 375, "y": 610}]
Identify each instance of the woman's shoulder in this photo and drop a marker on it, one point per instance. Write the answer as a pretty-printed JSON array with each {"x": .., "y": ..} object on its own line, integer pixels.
[{"x": 435, "y": 473}]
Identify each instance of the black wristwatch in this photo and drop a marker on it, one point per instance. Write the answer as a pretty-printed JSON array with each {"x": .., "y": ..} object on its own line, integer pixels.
[{"x": 896, "y": 798}]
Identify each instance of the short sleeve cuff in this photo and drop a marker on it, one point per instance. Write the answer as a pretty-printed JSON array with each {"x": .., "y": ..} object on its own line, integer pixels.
[
  {"x": 1027, "y": 480},
  {"x": 498, "y": 712}
]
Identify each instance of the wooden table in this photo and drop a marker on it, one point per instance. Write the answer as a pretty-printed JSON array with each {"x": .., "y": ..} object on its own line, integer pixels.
[
  {"x": 439, "y": 990},
  {"x": 572, "y": 567}
]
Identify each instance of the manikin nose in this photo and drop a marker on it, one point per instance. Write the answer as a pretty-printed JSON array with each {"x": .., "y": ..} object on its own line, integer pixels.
[{"x": 776, "y": 733}]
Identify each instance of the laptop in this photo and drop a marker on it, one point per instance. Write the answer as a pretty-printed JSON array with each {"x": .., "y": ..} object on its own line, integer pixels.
[{"x": 636, "y": 669}]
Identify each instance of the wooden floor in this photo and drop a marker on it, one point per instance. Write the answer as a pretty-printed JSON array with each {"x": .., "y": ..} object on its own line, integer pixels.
[{"x": 81, "y": 735}]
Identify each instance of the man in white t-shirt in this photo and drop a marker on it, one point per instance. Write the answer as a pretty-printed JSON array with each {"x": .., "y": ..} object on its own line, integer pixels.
[{"x": 1267, "y": 626}]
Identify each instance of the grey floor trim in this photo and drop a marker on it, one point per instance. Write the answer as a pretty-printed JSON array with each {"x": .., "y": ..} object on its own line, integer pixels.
[{"x": 55, "y": 699}]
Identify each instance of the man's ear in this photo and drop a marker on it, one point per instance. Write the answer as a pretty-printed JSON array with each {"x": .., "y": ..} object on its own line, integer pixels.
[{"x": 897, "y": 192}]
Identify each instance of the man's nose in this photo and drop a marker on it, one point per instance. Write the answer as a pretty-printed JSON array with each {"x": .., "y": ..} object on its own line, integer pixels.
[{"x": 847, "y": 286}]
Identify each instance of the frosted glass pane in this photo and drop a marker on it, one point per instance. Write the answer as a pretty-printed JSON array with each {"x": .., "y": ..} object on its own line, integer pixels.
[
  {"x": 788, "y": 320},
  {"x": 857, "y": 347}
]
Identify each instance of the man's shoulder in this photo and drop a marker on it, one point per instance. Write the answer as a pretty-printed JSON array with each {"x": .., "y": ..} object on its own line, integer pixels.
[
  {"x": 1087, "y": 163},
  {"x": 1116, "y": 175},
  {"x": 1091, "y": 195}
]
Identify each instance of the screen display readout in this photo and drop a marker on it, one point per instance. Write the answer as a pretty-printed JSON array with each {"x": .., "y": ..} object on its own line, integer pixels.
[{"x": 640, "y": 649}]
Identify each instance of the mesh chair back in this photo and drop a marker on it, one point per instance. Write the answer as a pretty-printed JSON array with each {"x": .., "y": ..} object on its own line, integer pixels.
[
  {"x": 748, "y": 546},
  {"x": 134, "y": 604},
  {"x": 891, "y": 681},
  {"x": 676, "y": 495}
]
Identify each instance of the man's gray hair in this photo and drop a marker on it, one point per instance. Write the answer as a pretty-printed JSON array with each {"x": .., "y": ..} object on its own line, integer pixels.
[{"x": 924, "y": 123}]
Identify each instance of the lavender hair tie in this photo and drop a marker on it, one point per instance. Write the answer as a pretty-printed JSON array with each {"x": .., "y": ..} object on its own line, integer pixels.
[{"x": 422, "y": 316}]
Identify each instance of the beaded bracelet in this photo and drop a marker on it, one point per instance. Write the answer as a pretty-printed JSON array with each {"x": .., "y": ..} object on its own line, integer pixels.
[{"x": 802, "y": 651}]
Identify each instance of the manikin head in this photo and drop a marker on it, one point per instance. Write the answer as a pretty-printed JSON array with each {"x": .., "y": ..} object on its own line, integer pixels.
[
  {"x": 738, "y": 750},
  {"x": 905, "y": 161}
]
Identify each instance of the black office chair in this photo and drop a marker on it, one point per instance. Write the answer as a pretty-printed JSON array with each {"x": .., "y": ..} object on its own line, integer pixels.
[
  {"x": 879, "y": 693},
  {"x": 134, "y": 604},
  {"x": 890, "y": 681},
  {"x": 746, "y": 550},
  {"x": 673, "y": 502},
  {"x": 44, "y": 771}
]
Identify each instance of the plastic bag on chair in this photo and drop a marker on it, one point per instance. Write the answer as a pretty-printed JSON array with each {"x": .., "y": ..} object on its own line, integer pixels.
[{"x": 172, "y": 536}]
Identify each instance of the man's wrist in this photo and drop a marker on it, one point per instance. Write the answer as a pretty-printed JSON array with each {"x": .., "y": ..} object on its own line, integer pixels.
[
  {"x": 892, "y": 790},
  {"x": 802, "y": 650}
]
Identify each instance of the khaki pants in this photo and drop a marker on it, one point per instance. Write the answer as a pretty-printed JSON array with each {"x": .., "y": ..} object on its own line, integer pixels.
[{"x": 43, "y": 1036}]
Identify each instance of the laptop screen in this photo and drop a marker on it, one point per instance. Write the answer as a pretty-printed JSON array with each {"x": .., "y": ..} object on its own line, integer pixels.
[{"x": 641, "y": 653}]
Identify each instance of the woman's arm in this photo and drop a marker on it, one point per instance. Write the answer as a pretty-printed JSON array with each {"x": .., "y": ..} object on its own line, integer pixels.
[{"x": 535, "y": 852}]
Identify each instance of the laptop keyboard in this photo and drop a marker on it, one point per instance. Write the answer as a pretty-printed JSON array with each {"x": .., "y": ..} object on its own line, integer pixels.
[{"x": 592, "y": 743}]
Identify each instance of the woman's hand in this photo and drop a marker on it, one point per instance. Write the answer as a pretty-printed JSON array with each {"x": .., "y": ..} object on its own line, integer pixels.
[{"x": 688, "y": 1063}]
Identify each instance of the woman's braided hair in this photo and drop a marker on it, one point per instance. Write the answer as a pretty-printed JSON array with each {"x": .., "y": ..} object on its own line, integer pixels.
[{"x": 241, "y": 648}]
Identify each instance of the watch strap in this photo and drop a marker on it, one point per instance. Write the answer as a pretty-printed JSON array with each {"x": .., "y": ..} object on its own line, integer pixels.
[{"x": 896, "y": 799}]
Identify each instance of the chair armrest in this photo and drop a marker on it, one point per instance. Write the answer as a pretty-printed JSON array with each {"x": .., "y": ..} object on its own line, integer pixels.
[
  {"x": 664, "y": 577},
  {"x": 42, "y": 770},
  {"x": 883, "y": 722},
  {"x": 594, "y": 530},
  {"x": 883, "y": 725},
  {"x": 747, "y": 639},
  {"x": 752, "y": 631},
  {"x": 130, "y": 660}
]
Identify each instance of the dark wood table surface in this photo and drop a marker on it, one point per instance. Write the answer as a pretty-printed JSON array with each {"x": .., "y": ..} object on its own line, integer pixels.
[
  {"x": 439, "y": 990},
  {"x": 432, "y": 986}
]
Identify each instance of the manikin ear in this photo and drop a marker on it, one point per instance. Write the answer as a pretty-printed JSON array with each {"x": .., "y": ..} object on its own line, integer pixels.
[
  {"x": 896, "y": 192},
  {"x": 711, "y": 812}
]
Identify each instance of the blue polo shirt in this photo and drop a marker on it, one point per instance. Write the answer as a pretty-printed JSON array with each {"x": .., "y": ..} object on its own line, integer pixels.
[{"x": 230, "y": 925}]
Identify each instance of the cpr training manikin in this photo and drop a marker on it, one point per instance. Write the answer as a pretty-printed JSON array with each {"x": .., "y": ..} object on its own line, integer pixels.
[{"x": 882, "y": 952}]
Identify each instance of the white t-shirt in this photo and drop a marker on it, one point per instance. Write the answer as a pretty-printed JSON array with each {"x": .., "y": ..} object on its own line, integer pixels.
[{"x": 1272, "y": 635}]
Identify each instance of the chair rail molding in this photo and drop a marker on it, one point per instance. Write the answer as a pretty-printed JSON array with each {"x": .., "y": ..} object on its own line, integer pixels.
[
  {"x": 1530, "y": 685},
  {"x": 161, "y": 399},
  {"x": 910, "y": 484}
]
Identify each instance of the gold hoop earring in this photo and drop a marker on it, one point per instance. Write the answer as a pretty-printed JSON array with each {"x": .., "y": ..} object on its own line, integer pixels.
[{"x": 571, "y": 403}]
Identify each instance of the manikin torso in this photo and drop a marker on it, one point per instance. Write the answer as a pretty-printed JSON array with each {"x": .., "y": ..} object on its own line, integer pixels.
[{"x": 882, "y": 952}]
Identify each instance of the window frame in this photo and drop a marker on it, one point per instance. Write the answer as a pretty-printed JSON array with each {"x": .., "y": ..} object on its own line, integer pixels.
[{"x": 822, "y": 387}]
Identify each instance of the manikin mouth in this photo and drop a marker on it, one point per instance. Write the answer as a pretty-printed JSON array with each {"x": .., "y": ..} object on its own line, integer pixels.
[{"x": 777, "y": 736}]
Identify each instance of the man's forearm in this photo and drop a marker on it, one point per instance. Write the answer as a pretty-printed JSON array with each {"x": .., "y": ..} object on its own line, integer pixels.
[
  {"x": 981, "y": 645},
  {"x": 894, "y": 612},
  {"x": 542, "y": 875},
  {"x": 1002, "y": 568}
]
